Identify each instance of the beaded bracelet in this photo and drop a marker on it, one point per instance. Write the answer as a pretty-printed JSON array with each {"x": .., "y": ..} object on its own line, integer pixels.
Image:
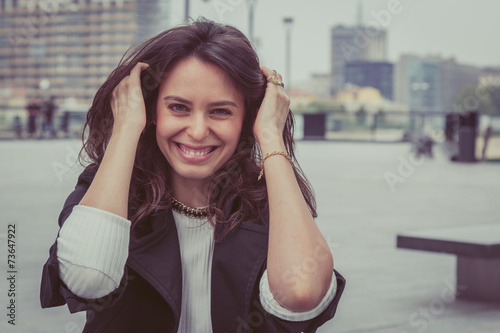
[{"x": 282, "y": 153}]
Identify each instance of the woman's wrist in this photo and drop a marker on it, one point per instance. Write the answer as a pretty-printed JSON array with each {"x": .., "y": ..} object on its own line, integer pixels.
[
  {"x": 131, "y": 131},
  {"x": 270, "y": 145}
]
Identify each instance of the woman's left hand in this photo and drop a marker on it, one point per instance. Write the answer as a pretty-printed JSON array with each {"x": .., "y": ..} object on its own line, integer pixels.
[
  {"x": 289, "y": 216},
  {"x": 271, "y": 118}
]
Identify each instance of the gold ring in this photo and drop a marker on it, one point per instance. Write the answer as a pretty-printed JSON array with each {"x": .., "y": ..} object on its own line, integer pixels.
[{"x": 274, "y": 79}]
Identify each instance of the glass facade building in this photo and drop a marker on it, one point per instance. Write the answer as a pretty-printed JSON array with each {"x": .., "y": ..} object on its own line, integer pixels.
[
  {"x": 358, "y": 43},
  {"x": 67, "y": 48},
  {"x": 432, "y": 84},
  {"x": 378, "y": 75}
]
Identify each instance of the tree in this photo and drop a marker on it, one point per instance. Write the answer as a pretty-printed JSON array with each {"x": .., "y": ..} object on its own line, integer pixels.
[
  {"x": 495, "y": 99},
  {"x": 485, "y": 98}
]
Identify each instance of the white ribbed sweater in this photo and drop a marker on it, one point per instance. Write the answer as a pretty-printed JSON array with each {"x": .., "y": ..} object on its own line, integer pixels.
[{"x": 92, "y": 249}]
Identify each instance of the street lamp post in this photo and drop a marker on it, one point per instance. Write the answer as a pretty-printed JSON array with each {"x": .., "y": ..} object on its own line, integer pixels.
[
  {"x": 186, "y": 11},
  {"x": 251, "y": 8},
  {"x": 288, "y": 22}
]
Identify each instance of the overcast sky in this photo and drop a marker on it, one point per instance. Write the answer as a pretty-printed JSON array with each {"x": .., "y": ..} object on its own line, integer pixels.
[{"x": 466, "y": 29}]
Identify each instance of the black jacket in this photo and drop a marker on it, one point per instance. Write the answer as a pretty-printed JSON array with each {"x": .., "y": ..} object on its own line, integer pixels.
[{"x": 149, "y": 297}]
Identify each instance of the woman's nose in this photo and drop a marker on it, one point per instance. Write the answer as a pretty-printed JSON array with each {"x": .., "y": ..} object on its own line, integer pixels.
[{"x": 198, "y": 128}]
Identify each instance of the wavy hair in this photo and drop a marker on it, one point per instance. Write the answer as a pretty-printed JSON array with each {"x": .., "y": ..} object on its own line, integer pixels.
[{"x": 234, "y": 193}]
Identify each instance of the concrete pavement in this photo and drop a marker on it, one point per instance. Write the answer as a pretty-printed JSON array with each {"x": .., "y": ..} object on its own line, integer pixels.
[{"x": 366, "y": 194}]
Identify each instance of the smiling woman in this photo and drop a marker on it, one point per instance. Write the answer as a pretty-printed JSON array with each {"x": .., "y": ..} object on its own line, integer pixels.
[
  {"x": 170, "y": 227},
  {"x": 198, "y": 125}
]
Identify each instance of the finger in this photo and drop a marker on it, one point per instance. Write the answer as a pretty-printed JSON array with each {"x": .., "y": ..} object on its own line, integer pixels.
[
  {"x": 135, "y": 73},
  {"x": 266, "y": 71},
  {"x": 279, "y": 76},
  {"x": 270, "y": 73}
]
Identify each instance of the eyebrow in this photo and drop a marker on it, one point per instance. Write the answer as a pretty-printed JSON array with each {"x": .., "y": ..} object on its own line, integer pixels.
[{"x": 213, "y": 104}]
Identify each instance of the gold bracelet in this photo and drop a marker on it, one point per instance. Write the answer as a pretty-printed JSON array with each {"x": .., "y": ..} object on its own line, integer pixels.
[{"x": 282, "y": 153}]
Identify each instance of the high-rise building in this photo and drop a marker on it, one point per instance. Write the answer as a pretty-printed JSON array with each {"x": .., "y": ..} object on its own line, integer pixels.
[
  {"x": 67, "y": 48},
  {"x": 358, "y": 43},
  {"x": 431, "y": 83},
  {"x": 374, "y": 74}
]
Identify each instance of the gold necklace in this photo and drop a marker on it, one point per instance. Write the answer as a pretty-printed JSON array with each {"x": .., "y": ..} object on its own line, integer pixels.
[{"x": 197, "y": 213}]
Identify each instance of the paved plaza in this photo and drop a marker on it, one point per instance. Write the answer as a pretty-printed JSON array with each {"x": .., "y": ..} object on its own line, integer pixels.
[{"x": 366, "y": 193}]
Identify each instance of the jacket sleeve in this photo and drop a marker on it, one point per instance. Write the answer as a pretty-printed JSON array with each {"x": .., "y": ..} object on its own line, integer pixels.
[
  {"x": 53, "y": 292},
  {"x": 275, "y": 324}
]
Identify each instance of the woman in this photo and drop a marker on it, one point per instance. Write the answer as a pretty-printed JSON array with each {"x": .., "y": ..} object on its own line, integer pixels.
[{"x": 176, "y": 226}]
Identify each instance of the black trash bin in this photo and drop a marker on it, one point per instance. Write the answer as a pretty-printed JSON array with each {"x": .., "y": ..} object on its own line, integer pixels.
[
  {"x": 314, "y": 126},
  {"x": 467, "y": 134}
]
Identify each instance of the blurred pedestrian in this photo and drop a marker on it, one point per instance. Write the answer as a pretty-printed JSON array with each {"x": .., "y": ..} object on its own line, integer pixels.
[
  {"x": 176, "y": 226},
  {"x": 18, "y": 127},
  {"x": 49, "y": 110},
  {"x": 64, "y": 126},
  {"x": 34, "y": 110}
]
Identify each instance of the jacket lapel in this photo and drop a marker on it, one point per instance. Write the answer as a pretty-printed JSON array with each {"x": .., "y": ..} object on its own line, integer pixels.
[
  {"x": 156, "y": 257},
  {"x": 237, "y": 263}
]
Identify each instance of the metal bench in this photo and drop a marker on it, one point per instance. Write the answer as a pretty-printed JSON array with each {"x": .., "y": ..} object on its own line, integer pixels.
[{"x": 477, "y": 249}]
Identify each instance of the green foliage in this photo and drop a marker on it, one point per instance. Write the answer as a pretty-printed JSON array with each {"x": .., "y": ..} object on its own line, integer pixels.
[
  {"x": 486, "y": 99},
  {"x": 495, "y": 99}
]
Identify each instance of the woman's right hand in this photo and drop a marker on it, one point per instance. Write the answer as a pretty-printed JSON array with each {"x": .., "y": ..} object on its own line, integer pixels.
[
  {"x": 127, "y": 102},
  {"x": 110, "y": 188}
]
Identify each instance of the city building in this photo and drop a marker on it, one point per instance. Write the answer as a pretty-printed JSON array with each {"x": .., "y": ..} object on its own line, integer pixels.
[
  {"x": 431, "y": 83},
  {"x": 370, "y": 99},
  {"x": 317, "y": 84},
  {"x": 357, "y": 43},
  {"x": 67, "y": 48},
  {"x": 374, "y": 74}
]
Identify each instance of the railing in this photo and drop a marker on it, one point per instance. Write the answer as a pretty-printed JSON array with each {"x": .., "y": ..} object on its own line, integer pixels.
[
  {"x": 421, "y": 128},
  {"x": 378, "y": 127}
]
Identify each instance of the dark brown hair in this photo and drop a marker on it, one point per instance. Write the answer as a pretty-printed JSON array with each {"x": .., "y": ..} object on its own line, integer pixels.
[{"x": 236, "y": 182}]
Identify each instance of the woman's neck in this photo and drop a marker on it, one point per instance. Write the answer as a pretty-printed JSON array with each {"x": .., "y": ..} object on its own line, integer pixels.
[{"x": 191, "y": 192}]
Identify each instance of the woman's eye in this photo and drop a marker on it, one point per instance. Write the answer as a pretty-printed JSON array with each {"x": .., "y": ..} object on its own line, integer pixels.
[
  {"x": 222, "y": 112},
  {"x": 178, "y": 107}
]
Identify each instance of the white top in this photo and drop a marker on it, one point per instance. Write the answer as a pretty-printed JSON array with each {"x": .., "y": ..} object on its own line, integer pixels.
[
  {"x": 92, "y": 249},
  {"x": 196, "y": 240}
]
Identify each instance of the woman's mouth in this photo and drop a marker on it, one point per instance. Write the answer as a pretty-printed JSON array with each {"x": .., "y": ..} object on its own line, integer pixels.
[
  {"x": 195, "y": 154},
  {"x": 196, "y": 151}
]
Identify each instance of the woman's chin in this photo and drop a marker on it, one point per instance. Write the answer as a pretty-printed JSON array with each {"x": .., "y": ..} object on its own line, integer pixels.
[{"x": 196, "y": 175}]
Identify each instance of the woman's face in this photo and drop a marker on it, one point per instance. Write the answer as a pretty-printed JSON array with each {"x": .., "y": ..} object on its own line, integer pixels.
[{"x": 199, "y": 116}]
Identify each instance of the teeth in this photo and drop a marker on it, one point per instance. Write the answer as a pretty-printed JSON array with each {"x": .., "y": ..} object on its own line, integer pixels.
[{"x": 197, "y": 153}]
